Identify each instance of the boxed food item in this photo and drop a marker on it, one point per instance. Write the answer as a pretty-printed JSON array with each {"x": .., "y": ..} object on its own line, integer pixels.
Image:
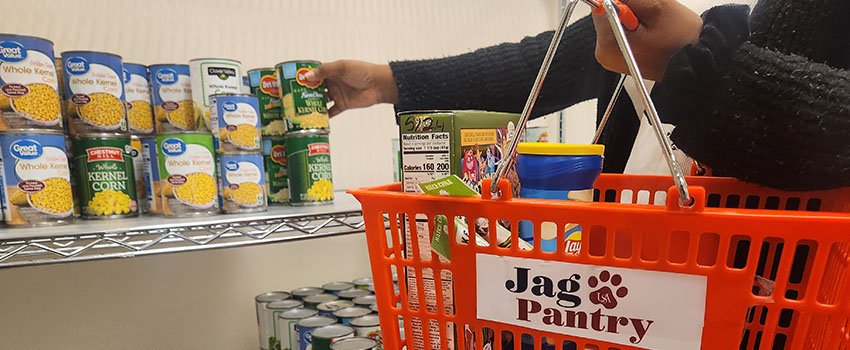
[{"x": 434, "y": 145}]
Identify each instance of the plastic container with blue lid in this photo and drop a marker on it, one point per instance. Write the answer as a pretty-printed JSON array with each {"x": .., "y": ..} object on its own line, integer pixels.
[{"x": 557, "y": 171}]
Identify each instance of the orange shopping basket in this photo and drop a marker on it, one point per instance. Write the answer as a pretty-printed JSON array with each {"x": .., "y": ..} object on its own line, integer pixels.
[{"x": 716, "y": 265}]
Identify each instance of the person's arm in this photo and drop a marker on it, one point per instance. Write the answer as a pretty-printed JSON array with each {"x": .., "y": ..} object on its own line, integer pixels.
[
  {"x": 499, "y": 78},
  {"x": 756, "y": 114}
]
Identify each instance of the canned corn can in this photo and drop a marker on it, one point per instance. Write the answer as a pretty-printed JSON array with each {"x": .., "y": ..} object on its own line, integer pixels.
[
  {"x": 187, "y": 174},
  {"x": 139, "y": 173},
  {"x": 286, "y": 321},
  {"x": 94, "y": 92},
  {"x": 311, "y": 301},
  {"x": 242, "y": 185},
  {"x": 29, "y": 86},
  {"x": 308, "y": 162},
  {"x": 274, "y": 158},
  {"x": 356, "y": 343},
  {"x": 151, "y": 176},
  {"x": 265, "y": 86},
  {"x": 105, "y": 176},
  {"x": 306, "y": 326},
  {"x": 236, "y": 123},
  {"x": 265, "y": 323},
  {"x": 137, "y": 92},
  {"x": 171, "y": 88},
  {"x": 368, "y": 326},
  {"x": 305, "y": 105},
  {"x": 345, "y": 315},
  {"x": 329, "y": 307},
  {"x": 323, "y": 337},
  {"x": 212, "y": 76},
  {"x": 36, "y": 178}
]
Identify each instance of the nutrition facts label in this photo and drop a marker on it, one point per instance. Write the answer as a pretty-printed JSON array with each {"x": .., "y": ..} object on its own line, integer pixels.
[{"x": 426, "y": 157}]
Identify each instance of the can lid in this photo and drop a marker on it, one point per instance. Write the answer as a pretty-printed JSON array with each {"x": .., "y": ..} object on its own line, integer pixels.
[
  {"x": 297, "y": 314},
  {"x": 559, "y": 149},
  {"x": 67, "y": 53},
  {"x": 365, "y": 300},
  {"x": 297, "y": 61},
  {"x": 331, "y": 331},
  {"x": 320, "y": 298},
  {"x": 355, "y": 343},
  {"x": 374, "y": 307},
  {"x": 305, "y": 291},
  {"x": 26, "y": 36},
  {"x": 315, "y": 321},
  {"x": 352, "y": 311},
  {"x": 307, "y": 133},
  {"x": 285, "y": 304},
  {"x": 214, "y": 59},
  {"x": 363, "y": 281},
  {"x": 353, "y": 293},
  {"x": 31, "y": 131},
  {"x": 272, "y": 296},
  {"x": 366, "y": 321},
  {"x": 338, "y": 286},
  {"x": 335, "y": 305}
]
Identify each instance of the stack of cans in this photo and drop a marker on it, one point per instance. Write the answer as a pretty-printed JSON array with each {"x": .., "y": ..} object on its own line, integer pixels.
[{"x": 317, "y": 318}]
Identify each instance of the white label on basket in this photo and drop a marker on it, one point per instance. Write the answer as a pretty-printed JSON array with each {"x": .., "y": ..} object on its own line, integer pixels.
[
  {"x": 425, "y": 157},
  {"x": 646, "y": 309}
]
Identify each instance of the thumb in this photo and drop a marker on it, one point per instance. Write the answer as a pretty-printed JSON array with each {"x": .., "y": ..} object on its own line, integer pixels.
[{"x": 324, "y": 71}]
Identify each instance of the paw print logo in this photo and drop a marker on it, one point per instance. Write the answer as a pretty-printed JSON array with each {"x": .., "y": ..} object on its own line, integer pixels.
[{"x": 609, "y": 289}]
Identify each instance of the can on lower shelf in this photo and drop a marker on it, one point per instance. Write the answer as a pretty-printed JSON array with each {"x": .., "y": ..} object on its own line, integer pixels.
[
  {"x": 312, "y": 301},
  {"x": 264, "y": 84},
  {"x": 235, "y": 119},
  {"x": 336, "y": 287},
  {"x": 241, "y": 180},
  {"x": 151, "y": 176},
  {"x": 302, "y": 292},
  {"x": 30, "y": 88},
  {"x": 367, "y": 326},
  {"x": 139, "y": 173},
  {"x": 105, "y": 176},
  {"x": 329, "y": 307},
  {"x": 363, "y": 283},
  {"x": 276, "y": 308},
  {"x": 137, "y": 92},
  {"x": 94, "y": 92},
  {"x": 265, "y": 323},
  {"x": 187, "y": 174},
  {"x": 347, "y": 314},
  {"x": 323, "y": 337},
  {"x": 304, "y": 104},
  {"x": 356, "y": 343},
  {"x": 277, "y": 179},
  {"x": 286, "y": 321},
  {"x": 365, "y": 301},
  {"x": 172, "y": 98},
  {"x": 351, "y": 294},
  {"x": 306, "y": 326},
  {"x": 36, "y": 178},
  {"x": 212, "y": 76}
]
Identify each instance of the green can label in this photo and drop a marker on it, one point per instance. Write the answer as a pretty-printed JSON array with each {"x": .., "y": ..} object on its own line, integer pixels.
[
  {"x": 277, "y": 179},
  {"x": 304, "y": 105},
  {"x": 265, "y": 86},
  {"x": 308, "y": 160},
  {"x": 105, "y": 175},
  {"x": 187, "y": 173}
]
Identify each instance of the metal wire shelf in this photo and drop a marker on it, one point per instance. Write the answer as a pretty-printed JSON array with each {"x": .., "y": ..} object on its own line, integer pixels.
[{"x": 150, "y": 235}]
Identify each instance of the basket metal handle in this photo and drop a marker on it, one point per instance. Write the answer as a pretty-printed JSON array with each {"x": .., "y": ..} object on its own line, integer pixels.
[{"x": 611, "y": 13}]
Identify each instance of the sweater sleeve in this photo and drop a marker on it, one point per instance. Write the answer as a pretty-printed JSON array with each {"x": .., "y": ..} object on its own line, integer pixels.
[
  {"x": 499, "y": 78},
  {"x": 756, "y": 114}
]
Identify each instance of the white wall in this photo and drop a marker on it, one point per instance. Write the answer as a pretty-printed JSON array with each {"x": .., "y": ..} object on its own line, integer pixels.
[{"x": 204, "y": 300}]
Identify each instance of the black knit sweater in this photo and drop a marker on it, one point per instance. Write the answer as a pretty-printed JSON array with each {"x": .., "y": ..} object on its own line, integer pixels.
[{"x": 771, "y": 106}]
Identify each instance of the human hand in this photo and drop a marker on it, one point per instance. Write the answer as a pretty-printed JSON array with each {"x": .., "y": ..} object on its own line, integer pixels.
[
  {"x": 666, "y": 26},
  {"x": 355, "y": 84}
]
